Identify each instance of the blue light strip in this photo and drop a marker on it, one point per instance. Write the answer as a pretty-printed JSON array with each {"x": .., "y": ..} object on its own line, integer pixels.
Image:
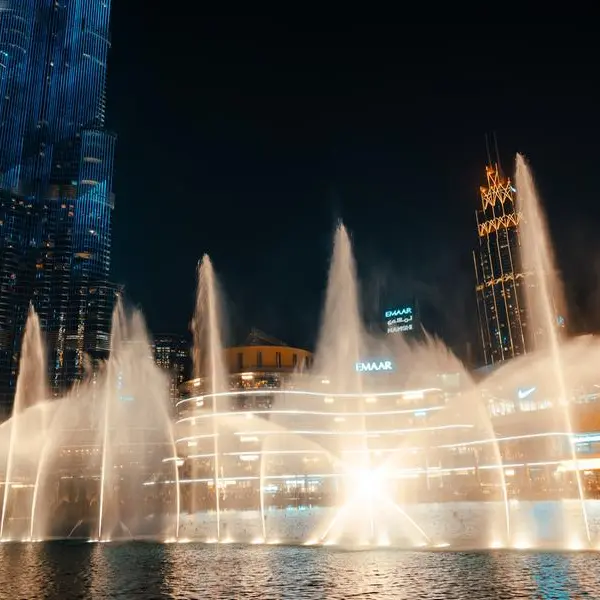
[
  {"x": 53, "y": 59},
  {"x": 16, "y": 38},
  {"x": 93, "y": 208}
]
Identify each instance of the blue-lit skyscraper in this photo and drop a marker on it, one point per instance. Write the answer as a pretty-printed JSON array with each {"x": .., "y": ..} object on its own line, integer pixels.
[{"x": 56, "y": 157}]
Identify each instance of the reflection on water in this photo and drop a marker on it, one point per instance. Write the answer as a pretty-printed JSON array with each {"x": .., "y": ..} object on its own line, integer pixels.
[
  {"x": 129, "y": 571},
  {"x": 555, "y": 577},
  {"x": 190, "y": 571}
]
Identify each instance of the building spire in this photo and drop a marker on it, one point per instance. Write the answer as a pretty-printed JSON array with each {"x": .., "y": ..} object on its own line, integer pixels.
[
  {"x": 497, "y": 152},
  {"x": 487, "y": 149}
]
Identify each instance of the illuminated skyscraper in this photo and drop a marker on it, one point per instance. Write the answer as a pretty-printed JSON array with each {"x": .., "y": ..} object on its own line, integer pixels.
[
  {"x": 56, "y": 156},
  {"x": 501, "y": 280}
]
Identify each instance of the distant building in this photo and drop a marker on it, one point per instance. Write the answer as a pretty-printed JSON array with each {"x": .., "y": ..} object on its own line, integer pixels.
[
  {"x": 260, "y": 373},
  {"x": 260, "y": 362},
  {"x": 500, "y": 277},
  {"x": 172, "y": 354},
  {"x": 56, "y": 158},
  {"x": 264, "y": 353}
]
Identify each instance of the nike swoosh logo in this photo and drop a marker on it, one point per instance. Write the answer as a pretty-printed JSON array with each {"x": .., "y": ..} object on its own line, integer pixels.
[{"x": 524, "y": 393}]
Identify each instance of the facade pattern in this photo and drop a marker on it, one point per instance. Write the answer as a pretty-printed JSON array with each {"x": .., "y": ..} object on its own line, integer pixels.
[
  {"x": 57, "y": 157},
  {"x": 500, "y": 277}
]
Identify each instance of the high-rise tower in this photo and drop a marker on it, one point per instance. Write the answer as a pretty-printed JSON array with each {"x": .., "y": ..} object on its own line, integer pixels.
[
  {"x": 57, "y": 158},
  {"x": 501, "y": 279},
  {"x": 172, "y": 354}
]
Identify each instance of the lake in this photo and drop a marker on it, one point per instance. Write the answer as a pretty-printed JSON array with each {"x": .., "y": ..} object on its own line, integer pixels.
[{"x": 140, "y": 570}]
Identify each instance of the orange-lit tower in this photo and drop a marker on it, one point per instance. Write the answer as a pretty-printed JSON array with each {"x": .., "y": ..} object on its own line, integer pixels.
[{"x": 500, "y": 278}]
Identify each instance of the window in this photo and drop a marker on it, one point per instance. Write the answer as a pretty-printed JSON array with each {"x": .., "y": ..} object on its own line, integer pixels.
[
  {"x": 259, "y": 359},
  {"x": 240, "y": 361},
  {"x": 278, "y": 359},
  {"x": 294, "y": 360}
]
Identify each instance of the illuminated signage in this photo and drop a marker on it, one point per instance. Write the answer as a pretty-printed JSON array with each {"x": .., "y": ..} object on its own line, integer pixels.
[
  {"x": 374, "y": 366},
  {"x": 398, "y": 312},
  {"x": 525, "y": 393},
  {"x": 399, "y": 320}
]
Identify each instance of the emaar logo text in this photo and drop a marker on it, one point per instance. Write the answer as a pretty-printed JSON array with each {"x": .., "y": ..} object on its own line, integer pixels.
[
  {"x": 398, "y": 312},
  {"x": 374, "y": 366}
]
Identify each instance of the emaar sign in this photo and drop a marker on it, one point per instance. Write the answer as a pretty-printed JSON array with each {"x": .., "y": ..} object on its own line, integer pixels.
[
  {"x": 399, "y": 320},
  {"x": 398, "y": 312},
  {"x": 374, "y": 366}
]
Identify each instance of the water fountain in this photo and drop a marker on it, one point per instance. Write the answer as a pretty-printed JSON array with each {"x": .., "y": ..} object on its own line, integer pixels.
[
  {"x": 30, "y": 390},
  {"x": 367, "y": 438},
  {"x": 545, "y": 299},
  {"x": 331, "y": 416},
  {"x": 370, "y": 446},
  {"x": 99, "y": 463},
  {"x": 208, "y": 362}
]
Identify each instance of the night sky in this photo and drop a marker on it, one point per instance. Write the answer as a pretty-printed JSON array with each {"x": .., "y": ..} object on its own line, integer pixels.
[{"x": 249, "y": 137}]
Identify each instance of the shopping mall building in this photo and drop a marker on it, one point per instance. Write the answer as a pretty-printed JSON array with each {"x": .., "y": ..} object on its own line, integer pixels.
[{"x": 277, "y": 422}]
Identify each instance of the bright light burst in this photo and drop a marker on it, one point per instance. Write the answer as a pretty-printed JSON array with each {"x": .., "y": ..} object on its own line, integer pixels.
[
  {"x": 368, "y": 511},
  {"x": 367, "y": 484}
]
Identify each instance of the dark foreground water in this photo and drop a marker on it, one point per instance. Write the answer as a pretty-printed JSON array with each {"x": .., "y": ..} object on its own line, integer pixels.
[{"x": 64, "y": 571}]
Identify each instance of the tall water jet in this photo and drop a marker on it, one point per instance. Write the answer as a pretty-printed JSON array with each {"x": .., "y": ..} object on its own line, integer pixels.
[
  {"x": 208, "y": 358},
  {"x": 31, "y": 382},
  {"x": 152, "y": 415},
  {"x": 340, "y": 349},
  {"x": 544, "y": 300},
  {"x": 30, "y": 390},
  {"x": 135, "y": 436},
  {"x": 340, "y": 342},
  {"x": 110, "y": 390},
  {"x": 60, "y": 408}
]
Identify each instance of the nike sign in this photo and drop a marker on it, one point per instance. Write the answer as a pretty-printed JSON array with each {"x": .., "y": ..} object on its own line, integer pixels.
[{"x": 524, "y": 393}]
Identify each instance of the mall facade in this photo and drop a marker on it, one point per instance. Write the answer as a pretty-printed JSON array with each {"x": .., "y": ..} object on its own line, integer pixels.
[{"x": 278, "y": 426}]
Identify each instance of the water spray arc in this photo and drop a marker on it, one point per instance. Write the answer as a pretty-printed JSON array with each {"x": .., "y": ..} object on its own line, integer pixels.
[
  {"x": 544, "y": 299},
  {"x": 30, "y": 390},
  {"x": 208, "y": 362}
]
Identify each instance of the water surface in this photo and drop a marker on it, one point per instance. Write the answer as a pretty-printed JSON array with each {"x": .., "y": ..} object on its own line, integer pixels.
[{"x": 66, "y": 571}]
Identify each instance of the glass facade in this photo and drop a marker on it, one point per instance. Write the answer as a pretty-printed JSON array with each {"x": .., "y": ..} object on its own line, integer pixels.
[
  {"x": 17, "y": 23},
  {"x": 53, "y": 79},
  {"x": 17, "y": 272},
  {"x": 501, "y": 280},
  {"x": 56, "y": 156}
]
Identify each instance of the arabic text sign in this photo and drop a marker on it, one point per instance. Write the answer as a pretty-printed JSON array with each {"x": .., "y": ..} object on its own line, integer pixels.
[{"x": 399, "y": 320}]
